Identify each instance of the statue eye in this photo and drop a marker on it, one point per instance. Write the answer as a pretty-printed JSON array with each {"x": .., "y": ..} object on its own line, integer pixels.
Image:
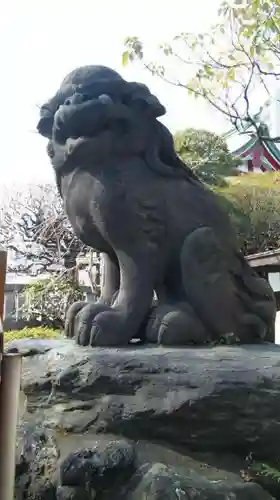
[
  {"x": 106, "y": 99},
  {"x": 76, "y": 98}
]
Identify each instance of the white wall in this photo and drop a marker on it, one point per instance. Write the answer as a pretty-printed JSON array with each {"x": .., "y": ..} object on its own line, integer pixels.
[
  {"x": 274, "y": 280},
  {"x": 277, "y": 328},
  {"x": 275, "y": 111}
]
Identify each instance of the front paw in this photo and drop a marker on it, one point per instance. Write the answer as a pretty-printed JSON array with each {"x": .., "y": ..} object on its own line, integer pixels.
[
  {"x": 108, "y": 329},
  {"x": 85, "y": 320},
  {"x": 175, "y": 325},
  {"x": 100, "y": 325},
  {"x": 79, "y": 318}
]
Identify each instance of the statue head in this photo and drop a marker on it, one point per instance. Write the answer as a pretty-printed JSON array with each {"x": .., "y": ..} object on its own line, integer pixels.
[
  {"x": 95, "y": 112},
  {"x": 100, "y": 84}
]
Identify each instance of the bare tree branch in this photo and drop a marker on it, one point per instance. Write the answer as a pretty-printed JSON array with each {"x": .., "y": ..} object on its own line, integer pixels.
[
  {"x": 34, "y": 226},
  {"x": 237, "y": 59}
]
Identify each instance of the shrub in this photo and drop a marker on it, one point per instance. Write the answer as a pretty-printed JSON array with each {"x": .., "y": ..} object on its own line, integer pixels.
[
  {"x": 37, "y": 332},
  {"x": 254, "y": 207},
  {"x": 265, "y": 180},
  {"x": 207, "y": 153},
  {"x": 47, "y": 300}
]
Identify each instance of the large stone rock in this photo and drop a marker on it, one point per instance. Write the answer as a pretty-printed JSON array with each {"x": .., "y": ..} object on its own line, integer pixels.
[
  {"x": 43, "y": 473},
  {"x": 117, "y": 469},
  {"x": 102, "y": 467},
  {"x": 208, "y": 399},
  {"x": 36, "y": 464},
  {"x": 160, "y": 482}
]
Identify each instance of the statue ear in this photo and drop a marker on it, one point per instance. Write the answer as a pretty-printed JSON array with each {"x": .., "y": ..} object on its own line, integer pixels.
[{"x": 139, "y": 96}]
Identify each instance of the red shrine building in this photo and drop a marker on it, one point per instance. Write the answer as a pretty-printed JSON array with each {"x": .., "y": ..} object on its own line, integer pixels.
[
  {"x": 258, "y": 156},
  {"x": 255, "y": 155}
]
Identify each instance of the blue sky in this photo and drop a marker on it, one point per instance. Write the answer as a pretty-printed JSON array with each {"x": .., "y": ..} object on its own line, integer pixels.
[{"x": 42, "y": 40}]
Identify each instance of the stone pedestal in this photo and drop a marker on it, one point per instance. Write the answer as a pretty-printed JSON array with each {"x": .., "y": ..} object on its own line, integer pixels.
[{"x": 199, "y": 401}]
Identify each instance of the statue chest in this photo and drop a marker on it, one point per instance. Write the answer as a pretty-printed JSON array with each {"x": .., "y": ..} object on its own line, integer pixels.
[{"x": 86, "y": 206}]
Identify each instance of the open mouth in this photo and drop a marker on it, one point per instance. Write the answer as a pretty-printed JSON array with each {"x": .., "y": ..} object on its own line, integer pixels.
[
  {"x": 78, "y": 116},
  {"x": 45, "y": 125}
]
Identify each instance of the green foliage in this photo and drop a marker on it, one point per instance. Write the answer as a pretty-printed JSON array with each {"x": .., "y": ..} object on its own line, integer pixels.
[
  {"x": 262, "y": 469},
  {"x": 47, "y": 300},
  {"x": 240, "y": 50},
  {"x": 237, "y": 55},
  {"x": 32, "y": 333},
  {"x": 125, "y": 58},
  {"x": 254, "y": 209},
  {"x": 206, "y": 153},
  {"x": 134, "y": 49},
  {"x": 269, "y": 180},
  {"x": 267, "y": 475}
]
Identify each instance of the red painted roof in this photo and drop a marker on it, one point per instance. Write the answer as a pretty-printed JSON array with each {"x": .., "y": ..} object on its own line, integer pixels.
[{"x": 270, "y": 152}]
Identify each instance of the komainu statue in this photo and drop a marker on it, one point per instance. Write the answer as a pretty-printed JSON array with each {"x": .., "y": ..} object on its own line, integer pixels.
[{"x": 161, "y": 231}]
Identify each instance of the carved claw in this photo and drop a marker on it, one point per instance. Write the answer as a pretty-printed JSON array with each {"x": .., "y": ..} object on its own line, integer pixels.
[
  {"x": 71, "y": 316},
  {"x": 95, "y": 324},
  {"x": 175, "y": 325},
  {"x": 84, "y": 321},
  {"x": 108, "y": 330}
]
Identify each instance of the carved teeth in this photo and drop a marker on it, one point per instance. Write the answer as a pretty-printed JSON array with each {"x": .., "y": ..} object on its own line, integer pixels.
[{"x": 71, "y": 144}]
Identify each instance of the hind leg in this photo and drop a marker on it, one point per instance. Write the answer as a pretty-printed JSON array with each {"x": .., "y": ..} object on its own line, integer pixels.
[
  {"x": 208, "y": 284},
  {"x": 214, "y": 284},
  {"x": 214, "y": 306}
]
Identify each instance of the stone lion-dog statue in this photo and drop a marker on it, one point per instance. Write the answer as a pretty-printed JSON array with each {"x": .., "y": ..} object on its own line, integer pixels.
[{"x": 160, "y": 230}]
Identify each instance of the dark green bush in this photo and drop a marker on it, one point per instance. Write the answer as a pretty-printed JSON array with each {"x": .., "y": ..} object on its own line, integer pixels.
[{"x": 254, "y": 207}]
